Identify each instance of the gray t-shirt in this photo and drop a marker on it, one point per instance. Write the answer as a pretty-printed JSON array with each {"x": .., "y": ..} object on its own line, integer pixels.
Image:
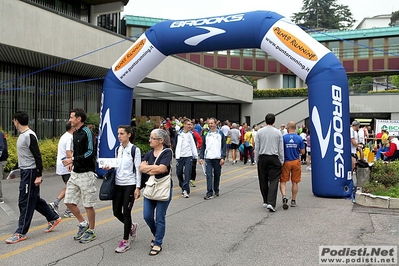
[
  {"x": 269, "y": 141},
  {"x": 29, "y": 156},
  {"x": 234, "y": 135}
]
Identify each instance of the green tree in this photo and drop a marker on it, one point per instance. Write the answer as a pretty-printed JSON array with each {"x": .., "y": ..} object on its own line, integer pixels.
[
  {"x": 326, "y": 14},
  {"x": 394, "y": 18},
  {"x": 361, "y": 84},
  {"x": 395, "y": 81}
]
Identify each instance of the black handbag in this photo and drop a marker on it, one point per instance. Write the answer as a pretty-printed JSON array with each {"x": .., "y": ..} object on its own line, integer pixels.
[{"x": 107, "y": 188}]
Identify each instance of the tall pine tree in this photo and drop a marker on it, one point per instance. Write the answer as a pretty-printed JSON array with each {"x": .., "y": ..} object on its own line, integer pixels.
[{"x": 324, "y": 14}]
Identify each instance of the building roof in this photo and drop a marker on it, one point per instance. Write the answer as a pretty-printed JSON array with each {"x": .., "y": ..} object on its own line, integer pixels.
[
  {"x": 141, "y": 21},
  {"x": 355, "y": 34},
  {"x": 99, "y": 2}
]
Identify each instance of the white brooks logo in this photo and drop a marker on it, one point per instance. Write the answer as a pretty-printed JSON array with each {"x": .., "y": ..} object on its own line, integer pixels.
[
  {"x": 193, "y": 41},
  {"x": 317, "y": 124},
  {"x": 110, "y": 135}
]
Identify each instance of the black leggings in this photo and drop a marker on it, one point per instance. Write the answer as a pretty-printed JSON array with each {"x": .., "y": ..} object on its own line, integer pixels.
[
  {"x": 193, "y": 169},
  {"x": 122, "y": 205}
]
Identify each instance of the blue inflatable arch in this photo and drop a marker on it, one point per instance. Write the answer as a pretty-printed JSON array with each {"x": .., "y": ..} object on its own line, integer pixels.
[{"x": 274, "y": 34}]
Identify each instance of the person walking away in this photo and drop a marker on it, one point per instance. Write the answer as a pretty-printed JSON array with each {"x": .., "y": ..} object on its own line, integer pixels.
[
  {"x": 225, "y": 129},
  {"x": 269, "y": 153},
  {"x": 213, "y": 153},
  {"x": 186, "y": 151},
  {"x": 293, "y": 148},
  {"x": 248, "y": 146},
  {"x": 308, "y": 150},
  {"x": 243, "y": 130},
  {"x": 3, "y": 161},
  {"x": 235, "y": 137},
  {"x": 303, "y": 135},
  {"x": 30, "y": 163},
  {"x": 127, "y": 184},
  {"x": 82, "y": 182},
  {"x": 198, "y": 140},
  {"x": 65, "y": 150},
  {"x": 161, "y": 152}
]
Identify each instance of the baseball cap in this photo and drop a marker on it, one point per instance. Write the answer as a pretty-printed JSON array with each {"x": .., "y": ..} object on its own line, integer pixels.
[
  {"x": 173, "y": 122},
  {"x": 355, "y": 123}
]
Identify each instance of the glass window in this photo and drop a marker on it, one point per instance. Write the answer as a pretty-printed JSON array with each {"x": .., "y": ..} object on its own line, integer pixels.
[
  {"x": 348, "y": 47},
  {"x": 378, "y": 47},
  {"x": 46, "y": 96},
  {"x": 235, "y": 52},
  {"x": 334, "y": 47},
  {"x": 135, "y": 32},
  {"x": 363, "y": 48},
  {"x": 260, "y": 53},
  {"x": 393, "y": 46},
  {"x": 248, "y": 52},
  {"x": 289, "y": 81}
]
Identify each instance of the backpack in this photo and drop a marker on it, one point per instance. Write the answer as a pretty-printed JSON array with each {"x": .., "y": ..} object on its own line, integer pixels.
[
  {"x": 133, "y": 154},
  {"x": 3, "y": 147}
]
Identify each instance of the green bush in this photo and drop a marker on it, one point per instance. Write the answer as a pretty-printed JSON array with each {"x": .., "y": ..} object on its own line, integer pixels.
[
  {"x": 48, "y": 149},
  {"x": 384, "y": 176},
  {"x": 276, "y": 93},
  {"x": 143, "y": 132},
  {"x": 382, "y": 92}
]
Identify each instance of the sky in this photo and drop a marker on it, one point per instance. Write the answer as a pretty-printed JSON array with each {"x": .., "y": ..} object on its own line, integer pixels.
[{"x": 186, "y": 9}]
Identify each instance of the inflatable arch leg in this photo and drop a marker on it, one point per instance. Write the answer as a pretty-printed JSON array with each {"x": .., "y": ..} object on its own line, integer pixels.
[{"x": 274, "y": 34}]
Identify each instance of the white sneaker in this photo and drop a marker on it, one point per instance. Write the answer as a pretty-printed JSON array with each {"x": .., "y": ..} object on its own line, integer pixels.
[
  {"x": 185, "y": 194},
  {"x": 308, "y": 168},
  {"x": 270, "y": 208},
  {"x": 123, "y": 246},
  {"x": 54, "y": 207}
]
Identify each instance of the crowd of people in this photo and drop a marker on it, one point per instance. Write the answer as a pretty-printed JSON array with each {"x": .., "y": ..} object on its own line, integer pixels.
[{"x": 278, "y": 153}]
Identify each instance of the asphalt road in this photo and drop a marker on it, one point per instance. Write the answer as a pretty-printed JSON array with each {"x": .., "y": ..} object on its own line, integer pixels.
[{"x": 233, "y": 229}]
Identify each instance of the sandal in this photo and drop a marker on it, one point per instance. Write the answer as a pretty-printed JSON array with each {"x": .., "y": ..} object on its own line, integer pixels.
[
  {"x": 154, "y": 252},
  {"x": 152, "y": 243}
]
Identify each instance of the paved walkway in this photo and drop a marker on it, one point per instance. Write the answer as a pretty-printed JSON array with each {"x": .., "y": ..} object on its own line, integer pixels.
[{"x": 233, "y": 229}]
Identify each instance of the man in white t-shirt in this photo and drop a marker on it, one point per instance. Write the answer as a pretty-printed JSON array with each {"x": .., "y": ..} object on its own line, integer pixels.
[
  {"x": 362, "y": 137},
  {"x": 65, "y": 150},
  {"x": 354, "y": 142}
]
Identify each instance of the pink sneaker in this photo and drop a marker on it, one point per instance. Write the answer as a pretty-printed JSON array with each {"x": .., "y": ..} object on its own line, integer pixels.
[{"x": 133, "y": 230}]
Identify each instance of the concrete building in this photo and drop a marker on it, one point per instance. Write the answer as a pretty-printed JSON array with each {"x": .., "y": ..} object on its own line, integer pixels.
[{"x": 54, "y": 56}]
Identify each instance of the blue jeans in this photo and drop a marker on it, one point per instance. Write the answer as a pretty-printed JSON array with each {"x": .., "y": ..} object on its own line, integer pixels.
[
  {"x": 381, "y": 149},
  {"x": 251, "y": 154},
  {"x": 29, "y": 200},
  {"x": 157, "y": 223},
  {"x": 212, "y": 183},
  {"x": 184, "y": 164}
]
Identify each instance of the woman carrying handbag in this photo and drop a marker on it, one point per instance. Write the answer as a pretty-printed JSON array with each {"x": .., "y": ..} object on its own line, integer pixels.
[{"x": 161, "y": 155}]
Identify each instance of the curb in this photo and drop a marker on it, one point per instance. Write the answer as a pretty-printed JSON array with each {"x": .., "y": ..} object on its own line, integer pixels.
[{"x": 370, "y": 200}]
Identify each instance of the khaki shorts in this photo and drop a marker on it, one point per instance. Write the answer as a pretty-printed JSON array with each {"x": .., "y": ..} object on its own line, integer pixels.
[
  {"x": 81, "y": 186},
  {"x": 291, "y": 170}
]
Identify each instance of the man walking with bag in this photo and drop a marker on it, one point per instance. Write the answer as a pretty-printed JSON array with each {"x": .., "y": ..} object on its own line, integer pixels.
[{"x": 82, "y": 182}]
